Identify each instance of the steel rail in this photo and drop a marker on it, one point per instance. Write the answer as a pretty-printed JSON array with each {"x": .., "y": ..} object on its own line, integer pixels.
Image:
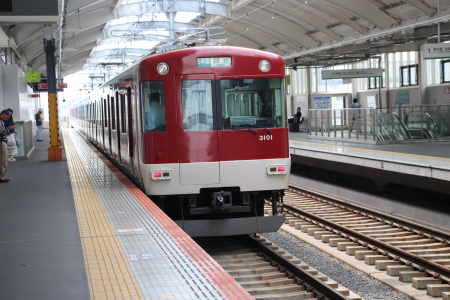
[
  {"x": 398, "y": 254},
  {"x": 421, "y": 229},
  {"x": 320, "y": 288}
]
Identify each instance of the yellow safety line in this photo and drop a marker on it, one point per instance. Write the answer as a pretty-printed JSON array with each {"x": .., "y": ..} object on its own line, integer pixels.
[
  {"x": 108, "y": 272},
  {"x": 375, "y": 151}
]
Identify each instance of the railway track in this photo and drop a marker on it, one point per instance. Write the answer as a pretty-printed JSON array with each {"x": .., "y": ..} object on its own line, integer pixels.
[
  {"x": 268, "y": 272},
  {"x": 413, "y": 252}
]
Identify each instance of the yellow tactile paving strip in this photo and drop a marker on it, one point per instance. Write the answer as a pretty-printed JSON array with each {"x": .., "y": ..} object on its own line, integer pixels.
[{"x": 108, "y": 272}]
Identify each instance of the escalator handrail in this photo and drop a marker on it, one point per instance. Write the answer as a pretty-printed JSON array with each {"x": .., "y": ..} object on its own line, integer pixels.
[{"x": 402, "y": 124}]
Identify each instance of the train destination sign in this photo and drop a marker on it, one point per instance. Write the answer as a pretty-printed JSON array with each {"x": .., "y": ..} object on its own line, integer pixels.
[
  {"x": 352, "y": 73},
  {"x": 214, "y": 62}
]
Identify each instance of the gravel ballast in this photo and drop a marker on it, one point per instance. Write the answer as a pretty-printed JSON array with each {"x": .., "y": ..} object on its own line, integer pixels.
[{"x": 336, "y": 270}]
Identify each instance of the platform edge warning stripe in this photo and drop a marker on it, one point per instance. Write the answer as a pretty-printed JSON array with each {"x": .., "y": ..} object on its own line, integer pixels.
[
  {"x": 108, "y": 272},
  {"x": 372, "y": 150},
  {"x": 223, "y": 281}
]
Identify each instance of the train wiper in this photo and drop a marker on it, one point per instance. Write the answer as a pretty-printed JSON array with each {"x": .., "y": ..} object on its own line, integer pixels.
[{"x": 251, "y": 125}]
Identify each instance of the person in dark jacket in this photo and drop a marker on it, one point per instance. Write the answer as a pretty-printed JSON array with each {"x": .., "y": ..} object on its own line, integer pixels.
[
  {"x": 4, "y": 115},
  {"x": 298, "y": 116},
  {"x": 39, "y": 125}
]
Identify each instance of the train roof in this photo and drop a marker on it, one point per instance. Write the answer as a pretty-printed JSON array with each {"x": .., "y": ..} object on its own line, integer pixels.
[{"x": 209, "y": 50}]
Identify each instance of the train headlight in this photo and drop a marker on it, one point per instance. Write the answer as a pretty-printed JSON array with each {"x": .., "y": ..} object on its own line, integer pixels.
[
  {"x": 276, "y": 169},
  {"x": 162, "y": 68},
  {"x": 161, "y": 175},
  {"x": 264, "y": 65}
]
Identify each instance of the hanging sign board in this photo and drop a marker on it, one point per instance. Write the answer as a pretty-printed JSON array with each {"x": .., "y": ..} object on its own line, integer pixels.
[
  {"x": 352, "y": 73},
  {"x": 33, "y": 77},
  {"x": 436, "y": 51},
  {"x": 27, "y": 11},
  {"x": 43, "y": 87}
]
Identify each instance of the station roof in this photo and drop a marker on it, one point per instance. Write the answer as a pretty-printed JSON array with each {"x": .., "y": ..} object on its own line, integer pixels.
[{"x": 94, "y": 34}]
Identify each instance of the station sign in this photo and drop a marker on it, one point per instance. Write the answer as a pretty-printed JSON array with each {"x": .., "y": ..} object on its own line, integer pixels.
[
  {"x": 43, "y": 87},
  {"x": 33, "y": 77},
  {"x": 27, "y": 11},
  {"x": 436, "y": 50},
  {"x": 352, "y": 73}
]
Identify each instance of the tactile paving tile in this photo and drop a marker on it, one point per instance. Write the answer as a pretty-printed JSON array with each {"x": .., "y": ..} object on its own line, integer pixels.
[{"x": 158, "y": 264}]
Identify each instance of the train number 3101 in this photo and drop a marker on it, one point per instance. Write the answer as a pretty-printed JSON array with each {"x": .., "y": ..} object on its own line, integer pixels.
[{"x": 265, "y": 137}]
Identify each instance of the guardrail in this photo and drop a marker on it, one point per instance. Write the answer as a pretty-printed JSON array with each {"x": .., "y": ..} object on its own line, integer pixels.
[{"x": 398, "y": 124}]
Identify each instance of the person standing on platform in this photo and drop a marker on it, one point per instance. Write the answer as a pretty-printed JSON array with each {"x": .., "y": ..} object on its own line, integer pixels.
[
  {"x": 298, "y": 116},
  {"x": 4, "y": 115},
  {"x": 355, "y": 113},
  {"x": 11, "y": 145},
  {"x": 295, "y": 125},
  {"x": 39, "y": 125}
]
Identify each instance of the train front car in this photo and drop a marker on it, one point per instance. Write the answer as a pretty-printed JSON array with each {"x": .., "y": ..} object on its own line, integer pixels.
[{"x": 215, "y": 141}]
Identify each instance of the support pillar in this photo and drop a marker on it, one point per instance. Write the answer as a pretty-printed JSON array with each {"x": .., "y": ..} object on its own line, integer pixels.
[{"x": 55, "y": 149}]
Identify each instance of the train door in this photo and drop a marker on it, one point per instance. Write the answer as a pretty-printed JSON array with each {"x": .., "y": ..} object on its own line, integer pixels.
[
  {"x": 118, "y": 128},
  {"x": 104, "y": 123},
  {"x": 110, "y": 124},
  {"x": 198, "y": 138},
  {"x": 128, "y": 123}
]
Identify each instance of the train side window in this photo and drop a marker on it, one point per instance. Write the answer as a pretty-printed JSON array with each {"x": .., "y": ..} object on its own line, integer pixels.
[
  {"x": 107, "y": 112},
  {"x": 123, "y": 114},
  {"x": 197, "y": 105},
  {"x": 153, "y": 106},
  {"x": 113, "y": 113}
]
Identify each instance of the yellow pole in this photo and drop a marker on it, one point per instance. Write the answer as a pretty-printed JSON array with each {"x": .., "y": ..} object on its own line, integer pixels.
[{"x": 55, "y": 149}]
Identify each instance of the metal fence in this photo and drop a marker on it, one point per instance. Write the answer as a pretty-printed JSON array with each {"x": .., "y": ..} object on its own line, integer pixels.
[{"x": 431, "y": 122}]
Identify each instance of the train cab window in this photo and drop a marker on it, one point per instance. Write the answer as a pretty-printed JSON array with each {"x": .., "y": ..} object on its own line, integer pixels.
[
  {"x": 253, "y": 103},
  {"x": 197, "y": 105},
  {"x": 153, "y": 106}
]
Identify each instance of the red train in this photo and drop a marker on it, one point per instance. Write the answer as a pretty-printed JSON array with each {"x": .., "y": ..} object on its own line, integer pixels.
[{"x": 202, "y": 131}]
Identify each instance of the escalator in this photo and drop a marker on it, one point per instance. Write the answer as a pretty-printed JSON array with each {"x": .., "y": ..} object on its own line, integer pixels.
[
  {"x": 421, "y": 125},
  {"x": 390, "y": 127}
]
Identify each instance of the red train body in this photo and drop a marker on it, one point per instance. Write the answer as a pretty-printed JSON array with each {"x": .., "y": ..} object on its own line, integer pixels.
[{"x": 202, "y": 131}]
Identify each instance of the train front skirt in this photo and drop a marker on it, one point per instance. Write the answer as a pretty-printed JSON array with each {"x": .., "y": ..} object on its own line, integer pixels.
[{"x": 234, "y": 226}]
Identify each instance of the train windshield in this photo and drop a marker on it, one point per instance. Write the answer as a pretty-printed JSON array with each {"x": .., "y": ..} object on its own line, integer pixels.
[
  {"x": 253, "y": 103},
  {"x": 196, "y": 101},
  {"x": 242, "y": 104}
]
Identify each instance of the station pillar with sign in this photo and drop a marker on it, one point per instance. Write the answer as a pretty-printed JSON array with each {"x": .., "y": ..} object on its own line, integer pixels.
[{"x": 55, "y": 149}]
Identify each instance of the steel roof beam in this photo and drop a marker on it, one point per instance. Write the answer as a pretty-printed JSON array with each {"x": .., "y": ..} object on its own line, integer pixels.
[{"x": 150, "y": 7}]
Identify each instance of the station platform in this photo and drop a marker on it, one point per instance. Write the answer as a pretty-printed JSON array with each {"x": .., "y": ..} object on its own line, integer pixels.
[
  {"x": 419, "y": 164},
  {"x": 79, "y": 229}
]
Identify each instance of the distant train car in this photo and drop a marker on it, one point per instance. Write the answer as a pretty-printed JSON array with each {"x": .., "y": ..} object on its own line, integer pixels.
[{"x": 202, "y": 131}]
